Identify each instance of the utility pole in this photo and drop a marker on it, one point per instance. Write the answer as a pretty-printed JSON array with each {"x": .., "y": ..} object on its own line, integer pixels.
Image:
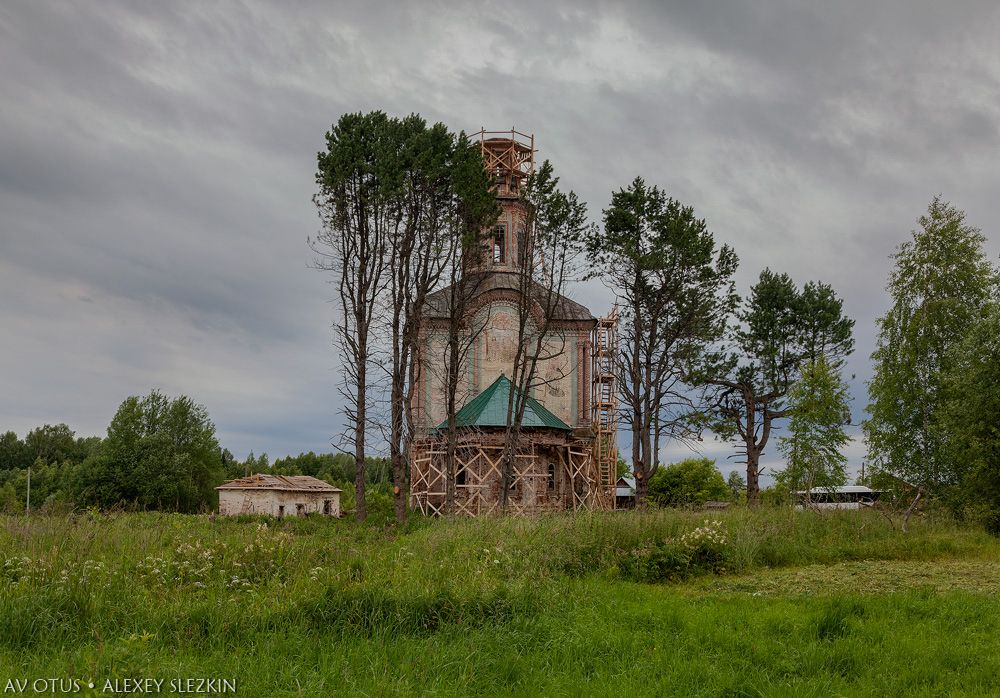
[{"x": 27, "y": 504}]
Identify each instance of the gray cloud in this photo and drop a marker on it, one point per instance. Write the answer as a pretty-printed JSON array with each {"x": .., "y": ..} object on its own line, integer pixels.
[{"x": 156, "y": 166}]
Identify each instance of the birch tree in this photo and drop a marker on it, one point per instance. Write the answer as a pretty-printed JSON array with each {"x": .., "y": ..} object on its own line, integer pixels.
[
  {"x": 940, "y": 284},
  {"x": 969, "y": 417}
]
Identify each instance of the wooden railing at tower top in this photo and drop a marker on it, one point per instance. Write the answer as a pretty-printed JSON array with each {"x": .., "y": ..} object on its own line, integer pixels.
[{"x": 510, "y": 156}]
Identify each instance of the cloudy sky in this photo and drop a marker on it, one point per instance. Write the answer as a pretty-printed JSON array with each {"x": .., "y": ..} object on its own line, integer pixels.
[{"x": 157, "y": 164}]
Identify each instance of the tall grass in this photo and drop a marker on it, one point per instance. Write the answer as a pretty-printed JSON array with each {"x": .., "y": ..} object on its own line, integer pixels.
[{"x": 429, "y": 605}]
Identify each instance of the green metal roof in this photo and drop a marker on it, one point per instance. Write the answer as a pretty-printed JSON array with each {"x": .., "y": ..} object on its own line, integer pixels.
[{"x": 489, "y": 409}]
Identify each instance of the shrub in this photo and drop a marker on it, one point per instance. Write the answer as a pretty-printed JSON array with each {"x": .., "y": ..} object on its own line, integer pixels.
[
  {"x": 690, "y": 481},
  {"x": 991, "y": 522},
  {"x": 701, "y": 551}
]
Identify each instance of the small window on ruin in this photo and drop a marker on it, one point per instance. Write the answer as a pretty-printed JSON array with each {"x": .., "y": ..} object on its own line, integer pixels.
[
  {"x": 500, "y": 244},
  {"x": 281, "y": 510},
  {"x": 519, "y": 254},
  {"x": 460, "y": 478},
  {"x": 300, "y": 509},
  {"x": 327, "y": 507},
  {"x": 552, "y": 476}
]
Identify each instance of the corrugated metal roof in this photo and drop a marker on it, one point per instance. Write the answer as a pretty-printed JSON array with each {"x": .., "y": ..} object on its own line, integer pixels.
[
  {"x": 293, "y": 483},
  {"x": 626, "y": 490},
  {"x": 846, "y": 489},
  {"x": 489, "y": 409}
]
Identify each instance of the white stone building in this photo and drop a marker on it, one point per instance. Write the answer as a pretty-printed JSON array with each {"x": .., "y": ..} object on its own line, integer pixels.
[{"x": 278, "y": 495}]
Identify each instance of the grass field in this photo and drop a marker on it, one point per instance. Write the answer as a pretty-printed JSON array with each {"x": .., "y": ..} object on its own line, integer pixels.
[{"x": 761, "y": 603}]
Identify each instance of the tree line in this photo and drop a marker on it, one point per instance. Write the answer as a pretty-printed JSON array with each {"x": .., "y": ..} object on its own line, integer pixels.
[
  {"x": 159, "y": 453},
  {"x": 696, "y": 357}
]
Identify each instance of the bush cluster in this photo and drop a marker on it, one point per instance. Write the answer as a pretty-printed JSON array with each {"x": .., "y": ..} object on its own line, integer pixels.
[{"x": 701, "y": 551}]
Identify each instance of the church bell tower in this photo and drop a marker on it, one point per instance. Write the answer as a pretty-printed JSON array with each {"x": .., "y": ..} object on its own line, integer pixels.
[{"x": 509, "y": 156}]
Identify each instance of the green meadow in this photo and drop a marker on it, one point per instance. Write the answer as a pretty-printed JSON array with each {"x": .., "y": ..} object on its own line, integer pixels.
[{"x": 735, "y": 603}]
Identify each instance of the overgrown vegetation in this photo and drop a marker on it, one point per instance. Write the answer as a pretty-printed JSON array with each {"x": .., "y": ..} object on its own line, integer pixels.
[{"x": 536, "y": 605}]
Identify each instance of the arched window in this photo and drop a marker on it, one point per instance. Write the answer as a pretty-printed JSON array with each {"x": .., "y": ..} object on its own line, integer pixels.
[
  {"x": 500, "y": 244},
  {"x": 552, "y": 476},
  {"x": 460, "y": 477}
]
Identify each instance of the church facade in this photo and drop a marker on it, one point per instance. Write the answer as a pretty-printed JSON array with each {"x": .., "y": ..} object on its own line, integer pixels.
[{"x": 566, "y": 438}]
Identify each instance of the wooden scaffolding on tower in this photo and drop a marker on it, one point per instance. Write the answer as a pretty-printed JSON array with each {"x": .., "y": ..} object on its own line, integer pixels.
[
  {"x": 509, "y": 156},
  {"x": 604, "y": 404}
]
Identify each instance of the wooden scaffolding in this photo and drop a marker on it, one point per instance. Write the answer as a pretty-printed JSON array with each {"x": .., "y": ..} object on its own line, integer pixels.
[
  {"x": 509, "y": 156},
  {"x": 551, "y": 473},
  {"x": 604, "y": 404}
]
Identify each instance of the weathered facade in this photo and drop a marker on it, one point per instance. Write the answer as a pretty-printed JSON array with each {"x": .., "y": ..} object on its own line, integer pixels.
[
  {"x": 566, "y": 437},
  {"x": 278, "y": 495}
]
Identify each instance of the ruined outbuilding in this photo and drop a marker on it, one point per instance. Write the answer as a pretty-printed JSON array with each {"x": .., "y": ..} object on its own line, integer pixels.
[
  {"x": 278, "y": 495},
  {"x": 568, "y": 452}
]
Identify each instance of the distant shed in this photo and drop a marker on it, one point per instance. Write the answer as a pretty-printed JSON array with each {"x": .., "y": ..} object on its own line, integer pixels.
[
  {"x": 278, "y": 495},
  {"x": 625, "y": 492}
]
